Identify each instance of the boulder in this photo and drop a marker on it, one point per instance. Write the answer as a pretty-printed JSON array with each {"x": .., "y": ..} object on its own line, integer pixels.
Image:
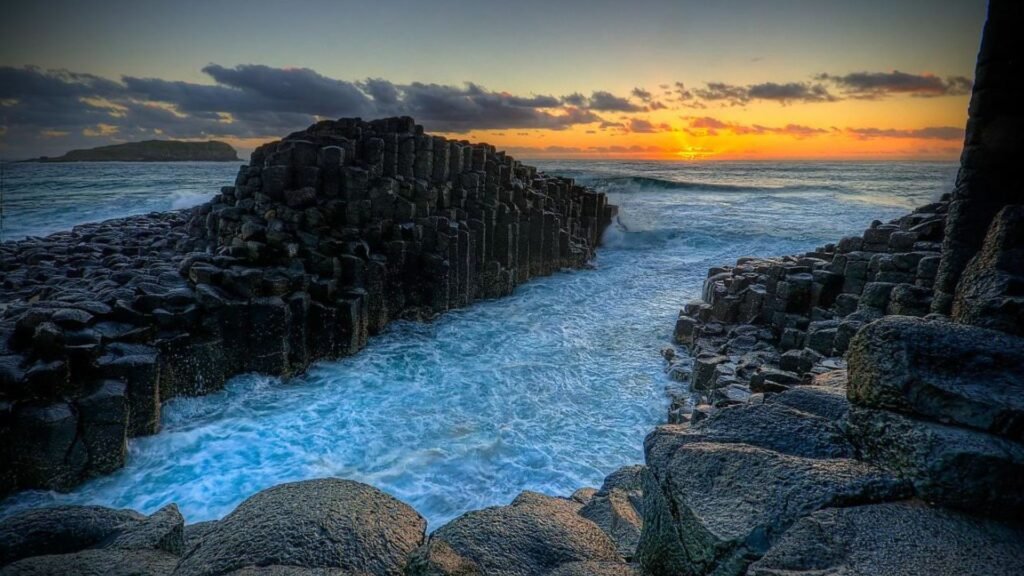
[
  {"x": 828, "y": 402},
  {"x": 161, "y": 531},
  {"x": 534, "y": 535},
  {"x": 618, "y": 508},
  {"x": 715, "y": 508},
  {"x": 899, "y": 538},
  {"x": 60, "y": 530},
  {"x": 104, "y": 562},
  {"x": 772, "y": 426},
  {"x": 941, "y": 371},
  {"x": 325, "y": 523},
  {"x": 989, "y": 292},
  {"x": 954, "y": 466},
  {"x": 595, "y": 569}
]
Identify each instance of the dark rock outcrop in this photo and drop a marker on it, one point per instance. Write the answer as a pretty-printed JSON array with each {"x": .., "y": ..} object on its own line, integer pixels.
[
  {"x": 940, "y": 371},
  {"x": 152, "y": 151},
  {"x": 990, "y": 175},
  {"x": 704, "y": 510},
  {"x": 905, "y": 538},
  {"x": 91, "y": 541},
  {"x": 991, "y": 291},
  {"x": 618, "y": 508},
  {"x": 60, "y": 530}
]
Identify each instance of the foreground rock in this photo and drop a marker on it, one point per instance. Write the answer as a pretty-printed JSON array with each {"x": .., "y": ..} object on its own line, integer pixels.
[
  {"x": 322, "y": 524},
  {"x": 618, "y": 508},
  {"x": 706, "y": 510},
  {"x": 941, "y": 371},
  {"x": 535, "y": 535},
  {"x": 91, "y": 541},
  {"x": 990, "y": 292},
  {"x": 905, "y": 538}
]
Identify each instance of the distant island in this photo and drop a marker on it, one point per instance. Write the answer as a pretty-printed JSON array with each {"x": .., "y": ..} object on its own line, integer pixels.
[{"x": 151, "y": 151}]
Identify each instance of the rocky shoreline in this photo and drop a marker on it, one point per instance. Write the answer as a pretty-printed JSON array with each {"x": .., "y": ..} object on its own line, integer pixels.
[
  {"x": 853, "y": 410},
  {"x": 325, "y": 237}
]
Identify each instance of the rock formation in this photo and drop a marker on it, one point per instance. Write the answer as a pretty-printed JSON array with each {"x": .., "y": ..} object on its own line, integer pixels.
[
  {"x": 835, "y": 423},
  {"x": 326, "y": 236}
]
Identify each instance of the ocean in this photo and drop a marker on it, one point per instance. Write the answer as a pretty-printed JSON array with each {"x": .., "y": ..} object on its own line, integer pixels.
[{"x": 548, "y": 390}]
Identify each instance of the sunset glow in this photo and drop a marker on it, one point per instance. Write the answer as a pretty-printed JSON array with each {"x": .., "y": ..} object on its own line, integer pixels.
[{"x": 789, "y": 81}]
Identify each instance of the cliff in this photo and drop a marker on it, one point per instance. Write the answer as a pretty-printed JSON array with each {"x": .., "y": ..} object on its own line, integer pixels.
[{"x": 151, "y": 151}]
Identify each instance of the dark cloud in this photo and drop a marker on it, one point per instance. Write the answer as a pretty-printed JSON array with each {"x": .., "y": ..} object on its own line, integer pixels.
[
  {"x": 786, "y": 93},
  {"x": 790, "y": 92},
  {"x": 871, "y": 85},
  {"x": 827, "y": 88},
  {"x": 708, "y": 126},
  {"x": 608, "y": 102},
  {"x": 36, "y": 105},
  {"x": 646, "y": 126},
  {"x": 930, "y": 133},
  {"x": 642, "y": 94}
]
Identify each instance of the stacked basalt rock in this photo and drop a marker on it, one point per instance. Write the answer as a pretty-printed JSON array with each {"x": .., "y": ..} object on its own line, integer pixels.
[
  {"x": 853, "y": 427},
  {"x": 767, "y": 324},
  {"x": 326, "y": 236}
]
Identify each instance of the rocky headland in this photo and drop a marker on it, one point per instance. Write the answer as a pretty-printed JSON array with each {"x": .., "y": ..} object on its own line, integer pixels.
[
  {"x": 151, "y": 151},
  {"x": 852, "y": 410},
  {"x": 326, "y": 236}
]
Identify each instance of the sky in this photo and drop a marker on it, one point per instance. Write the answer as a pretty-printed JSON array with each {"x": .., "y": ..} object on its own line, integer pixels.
[{"x": 670, "y": 80}]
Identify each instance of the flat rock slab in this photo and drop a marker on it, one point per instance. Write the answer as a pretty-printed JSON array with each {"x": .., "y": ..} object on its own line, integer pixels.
[
  {"x": 105, "y": 562},
  {"x": 536, "y": 534},
  {"x": 954, "y": 466},
  {"x": 941, "y": 371},
  {"x": 326, "y": 524},
  {"x": 896, "y": 539},
  {"x": 618, "y": 508},
  {"x": 773, "y": 426},
  {"x": 714, "y": 508}
]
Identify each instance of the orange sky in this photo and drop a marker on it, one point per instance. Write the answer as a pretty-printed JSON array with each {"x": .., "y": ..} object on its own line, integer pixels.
[{"x": 829, "y": 79}]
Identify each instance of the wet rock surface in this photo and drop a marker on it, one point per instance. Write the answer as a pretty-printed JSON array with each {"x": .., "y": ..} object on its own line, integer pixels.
[
  {"x": 323, "y": 524},
  {"x": 899, "y": 538},
  {"x": 535, "y": 534},
  {"x": 324, "y": 237},
  {"x": 836, "y": 419}
]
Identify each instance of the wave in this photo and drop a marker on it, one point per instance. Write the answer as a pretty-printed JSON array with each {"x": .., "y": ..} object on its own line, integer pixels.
[{"x": 654, "y": 183}]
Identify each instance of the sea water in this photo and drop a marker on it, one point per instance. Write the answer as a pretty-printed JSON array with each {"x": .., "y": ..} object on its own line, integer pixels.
[{"x": 549, "y": 390}]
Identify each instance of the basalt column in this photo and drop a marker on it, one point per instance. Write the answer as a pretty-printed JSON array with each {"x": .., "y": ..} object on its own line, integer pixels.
[{"x": 990, "y": 175}]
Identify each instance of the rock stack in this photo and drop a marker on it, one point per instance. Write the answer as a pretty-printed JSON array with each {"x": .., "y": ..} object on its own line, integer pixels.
[{"x": 326, "y": 236}]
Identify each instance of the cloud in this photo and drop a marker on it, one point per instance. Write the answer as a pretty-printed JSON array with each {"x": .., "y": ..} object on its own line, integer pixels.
[
  {"x": 642, "y": 94},
  {"x": 256, "y": 101},
  {"x": 828, "y": 88},
  {"x": 929, "y": 133},
  {"x": 708, "y": 126},
  {"x": 871, "y": 85},
  {"x": 608, "y": 102},
  {"x": 786, "y": 93},
  {"x": 645, "y": 126}
]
